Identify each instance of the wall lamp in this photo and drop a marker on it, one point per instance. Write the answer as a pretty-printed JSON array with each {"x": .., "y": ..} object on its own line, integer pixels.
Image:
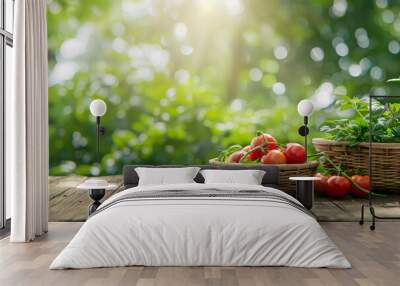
[
  {"x": 305, "y": 108},
  {"x": 98, "y": 108}
]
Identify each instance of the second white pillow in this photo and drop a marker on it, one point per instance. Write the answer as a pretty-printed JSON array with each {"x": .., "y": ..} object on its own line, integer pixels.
[
  {"x": 165, "y": 176},
  {"x": 246, "y": 177}
]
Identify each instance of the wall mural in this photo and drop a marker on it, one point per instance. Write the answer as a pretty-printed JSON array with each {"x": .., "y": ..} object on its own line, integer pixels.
[{"x": 184, "y": 79}]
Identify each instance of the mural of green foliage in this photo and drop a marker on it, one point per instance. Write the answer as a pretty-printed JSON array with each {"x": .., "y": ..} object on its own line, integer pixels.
[{"x": 185, "y": 79}]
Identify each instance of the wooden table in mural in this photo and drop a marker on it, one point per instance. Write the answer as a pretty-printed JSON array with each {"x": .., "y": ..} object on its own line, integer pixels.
[{"x": 67, "y": 203}]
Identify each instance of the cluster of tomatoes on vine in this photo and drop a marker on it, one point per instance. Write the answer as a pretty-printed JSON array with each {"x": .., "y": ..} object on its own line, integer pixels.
[
  {"x": 338, "y": 182},
  {"x": 264, "y": 148}
]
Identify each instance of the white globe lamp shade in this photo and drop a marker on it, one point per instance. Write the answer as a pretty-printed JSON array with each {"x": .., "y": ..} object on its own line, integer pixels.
[
  {"x": 305, "y": 107},
  {"x": 98, "y": 107}
]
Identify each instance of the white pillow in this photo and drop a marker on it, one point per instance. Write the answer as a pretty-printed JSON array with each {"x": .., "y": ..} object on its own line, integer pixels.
[
  {"x": 247, "y": 177},
  {"x": 166, "y": 176}
]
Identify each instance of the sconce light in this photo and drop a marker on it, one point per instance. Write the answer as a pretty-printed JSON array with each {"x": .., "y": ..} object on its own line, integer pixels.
[
  {"x": 305, "y": 108},
  {"x": 98, "y": 108}
]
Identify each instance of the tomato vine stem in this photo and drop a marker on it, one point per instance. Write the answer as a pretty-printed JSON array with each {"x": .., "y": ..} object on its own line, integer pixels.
[
  {"x": 344, "y": 174},
  {"x": 261, "y": 147}
]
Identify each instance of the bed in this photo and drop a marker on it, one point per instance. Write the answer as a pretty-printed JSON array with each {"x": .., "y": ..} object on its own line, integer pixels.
[{"x": 197, "y": 224}]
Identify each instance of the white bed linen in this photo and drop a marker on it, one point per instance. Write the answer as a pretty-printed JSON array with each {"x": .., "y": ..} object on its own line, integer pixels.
[
  {"x": 165, "y": 176},
  {"x": 247, "y": 177},
  {"x": 212, "y": 231}
]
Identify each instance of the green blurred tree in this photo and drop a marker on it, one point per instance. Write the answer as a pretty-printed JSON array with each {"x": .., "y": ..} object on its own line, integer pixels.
[{"x": 184, "y": 79}]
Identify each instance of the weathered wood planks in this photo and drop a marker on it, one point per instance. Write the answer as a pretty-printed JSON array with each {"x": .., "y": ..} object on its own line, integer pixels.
[{"x": 67, "y": 203}]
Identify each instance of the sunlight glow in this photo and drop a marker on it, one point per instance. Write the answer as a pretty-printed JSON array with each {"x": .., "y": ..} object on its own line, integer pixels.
[
  {"x": 342, "y": 49},
  {"x": 339, "y": 8},
  {"x": 317, "y": 54},
  {"x": 394, "y": 47},
  {"x": 381, "y": 3},
  {"x": 362, "y": 38},
  {"x": 323, "y": 96},
  {"x": 234, "y": 7},
  {"x": 256, "y": 74},
  {"x": 388, "y": 16},
  {"x": 180, "y": 30},
  {"x": 280, "y": 52},
  {"x": 279, "y": 88},
  {"x": 63, "y": 71},
  {"x": 355, "y": 70},
  {"x": 376, "y": 73},
  {"x": 231, "y": 7},
  {"x": 182, "y": 76}
]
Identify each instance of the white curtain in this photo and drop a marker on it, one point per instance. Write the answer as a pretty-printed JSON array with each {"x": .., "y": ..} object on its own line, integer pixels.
[{"x": 26, "y": 124}]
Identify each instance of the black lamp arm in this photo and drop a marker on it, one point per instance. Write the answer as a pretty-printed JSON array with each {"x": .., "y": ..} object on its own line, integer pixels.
[
  {"x": 100, "y": 130},
  {"x": 303, "y": 131}
]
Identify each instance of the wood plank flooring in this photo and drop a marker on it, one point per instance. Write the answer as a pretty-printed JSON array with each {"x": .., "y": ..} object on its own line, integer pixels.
[
  {"x": 375, "y": 257},
  {"x": 67, "y": 203}
]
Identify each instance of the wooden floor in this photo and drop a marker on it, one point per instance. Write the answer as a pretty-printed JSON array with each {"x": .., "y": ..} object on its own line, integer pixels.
[
  {"x": 375, "y": 257},
  {"x": 67, "y": 203}
]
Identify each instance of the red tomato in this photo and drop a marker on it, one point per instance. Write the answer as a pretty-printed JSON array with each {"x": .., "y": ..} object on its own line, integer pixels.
[
  {"x": 338, "y": 187},
  {"x": 255, "y": 155},
  {"x": 274, "y": 157},
  {"x": 295, "y": 153},
  {"x": 321, "y": 185},
  {"x": 362, "y": 181},
  {"x": 260, "y": 140},
  {"x": 235, "y": 157}
]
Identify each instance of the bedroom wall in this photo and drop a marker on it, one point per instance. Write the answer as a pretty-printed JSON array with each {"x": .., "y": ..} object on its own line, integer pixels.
[{"x": 184, "y": 79}]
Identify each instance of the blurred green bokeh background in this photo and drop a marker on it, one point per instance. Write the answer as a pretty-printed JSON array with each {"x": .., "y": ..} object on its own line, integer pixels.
[{"x": 185, "y": 79}]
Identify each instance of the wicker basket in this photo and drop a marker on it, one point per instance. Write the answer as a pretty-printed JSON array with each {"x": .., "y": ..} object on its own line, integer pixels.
[
  {"x": 385, "y": 160},
  {"x": 285, "y": 171}
]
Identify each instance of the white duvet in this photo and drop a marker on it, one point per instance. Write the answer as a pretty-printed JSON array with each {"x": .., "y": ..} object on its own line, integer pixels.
[{"x": 193, "y": 231}]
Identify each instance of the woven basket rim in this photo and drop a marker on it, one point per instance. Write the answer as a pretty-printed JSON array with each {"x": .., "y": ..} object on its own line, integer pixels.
[
  {"x": 308, "y": 165},
  {"x": 323, "y": 141}
]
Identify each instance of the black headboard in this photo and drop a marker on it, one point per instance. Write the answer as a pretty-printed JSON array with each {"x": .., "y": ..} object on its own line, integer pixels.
[{"x": 271, "y": 178}]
